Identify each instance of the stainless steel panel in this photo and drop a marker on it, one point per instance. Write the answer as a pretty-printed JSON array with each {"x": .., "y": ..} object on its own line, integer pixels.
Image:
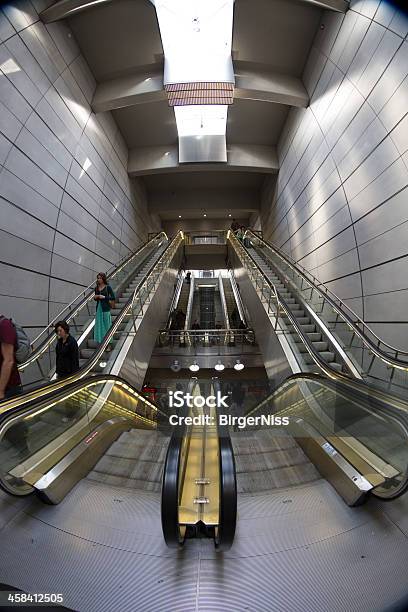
[{"x": 202, "y": 149}]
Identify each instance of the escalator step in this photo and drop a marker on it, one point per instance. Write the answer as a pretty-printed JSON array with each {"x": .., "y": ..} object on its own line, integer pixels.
[
  {"x": 328, "y": 356},
  {"x": 308, "y": 327},
  {"x": 315, "y": 336}
]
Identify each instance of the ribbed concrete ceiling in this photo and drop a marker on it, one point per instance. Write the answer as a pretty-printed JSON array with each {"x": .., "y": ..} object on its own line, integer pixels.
[{"x": 270, "y": 37}]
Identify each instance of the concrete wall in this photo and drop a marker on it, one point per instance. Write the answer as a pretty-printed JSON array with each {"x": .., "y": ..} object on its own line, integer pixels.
[
  {"x": 67, "y": 207},
  {"x": 340, "y": 203}
]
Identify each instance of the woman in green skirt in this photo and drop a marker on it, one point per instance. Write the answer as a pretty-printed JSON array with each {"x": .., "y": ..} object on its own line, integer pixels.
[{"x": 104, "y": 297}]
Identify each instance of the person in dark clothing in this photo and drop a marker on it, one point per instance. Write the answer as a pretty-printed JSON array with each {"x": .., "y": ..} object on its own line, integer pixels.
[
  {"x": 195, "y": 325},
  {"x": 180, "y": 319},
  {"x": 234, "y": 225},
  {"x": 10, "y": 382},
  {"x": 67, "y": 352},
  {"x": 188, "y": 278}
]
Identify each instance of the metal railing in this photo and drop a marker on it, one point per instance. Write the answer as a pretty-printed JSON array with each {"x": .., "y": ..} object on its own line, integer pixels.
[
  {"x": 206, "y": 338},
  {"x": 206, "y": 237}
]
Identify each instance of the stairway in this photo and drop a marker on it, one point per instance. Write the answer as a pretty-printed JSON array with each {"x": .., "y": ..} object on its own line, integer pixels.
[
  {"x": 134, "y": 461},
  {"x": 304, "y": 320}
]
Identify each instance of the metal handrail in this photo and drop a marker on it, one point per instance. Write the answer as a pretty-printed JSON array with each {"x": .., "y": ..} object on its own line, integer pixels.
[
  {"x": 82, "y": 372},
  {"x": 330, "y": 296},
  {"x": 282, "y": 305},
  {"x": 87, "y": 297}
]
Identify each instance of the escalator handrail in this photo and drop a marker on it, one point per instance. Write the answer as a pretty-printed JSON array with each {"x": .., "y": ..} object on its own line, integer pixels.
[
  {"x": 87, "y": 367},
  {"x": 87, "y": 293},
  {"x": 227, "y": 491},
  {"x": 340, "y": 306},
  {"x": 280, "y": 301},
  {"x": 71, "y": 387},
  {"x": 170, "y": 489}
]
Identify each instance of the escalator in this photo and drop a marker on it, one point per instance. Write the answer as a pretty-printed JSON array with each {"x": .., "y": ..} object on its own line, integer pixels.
[
  {"x": 104, "y": 444},
  {"x": 124, "y": 278},
  {"x": 317, "y": 330},
  {"x": 140, "y": 281},
  {"x": 48, "y": 444},
  {"x": 354, "y": 437},
  {"x": 232, "y": 311},
  {"x": 199, "y": 497}
]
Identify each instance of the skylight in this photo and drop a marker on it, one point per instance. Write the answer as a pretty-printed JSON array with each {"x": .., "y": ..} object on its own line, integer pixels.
[{"x": 198, "y": 71}]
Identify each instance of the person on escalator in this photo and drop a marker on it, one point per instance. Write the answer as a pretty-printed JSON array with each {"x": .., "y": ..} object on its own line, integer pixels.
[
  {"x": 234, "y": 225},
  {"x": 67, "y": 352},
  {"x": 105, "y": 299},
  {"x": 188, "y": 277},
  {"x": 10, "y": 382}
]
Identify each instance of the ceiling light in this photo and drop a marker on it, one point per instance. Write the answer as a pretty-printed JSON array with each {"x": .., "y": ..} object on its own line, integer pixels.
[
  {"x": 229, "y": 215},
  {"x": 175, "y": 366},
  {"x": 194, "y": 367},
  {"x": 179, "y": 216},
  {"x": 219, "y": 366},
  {"x": 205, "y": 215},
  {"x": 238, "y": 365},
  {"x": 102, "y": 364}
]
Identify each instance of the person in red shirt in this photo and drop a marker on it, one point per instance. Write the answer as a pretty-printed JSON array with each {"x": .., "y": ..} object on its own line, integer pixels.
[{"x": 10, "y": 382}]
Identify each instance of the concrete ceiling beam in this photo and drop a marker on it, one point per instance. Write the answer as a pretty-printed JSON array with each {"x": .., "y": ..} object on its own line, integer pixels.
[
  {"x": 341, "y": 6},
  {"x": 253, "y": 82},
  {"x": 164, "y": 159},
  {"x": 140, "y": 88},
  {"x": 66, "y": 8}
]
